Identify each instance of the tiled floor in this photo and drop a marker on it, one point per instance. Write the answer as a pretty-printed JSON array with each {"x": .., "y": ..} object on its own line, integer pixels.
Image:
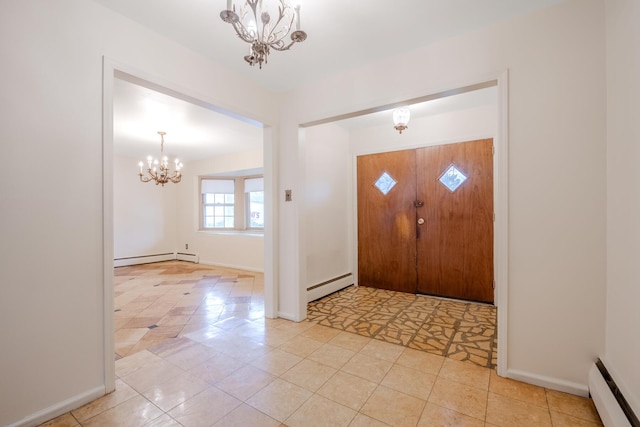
[
  {"x": 160, "y": 301},
  {"x": 245, "y": 370},
  {"x": 455, "y": 329}
]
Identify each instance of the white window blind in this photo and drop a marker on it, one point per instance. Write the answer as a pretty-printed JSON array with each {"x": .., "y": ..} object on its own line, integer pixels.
[
  {"x": 253, "y": 184},
  {"x": 217, "y": 186}
]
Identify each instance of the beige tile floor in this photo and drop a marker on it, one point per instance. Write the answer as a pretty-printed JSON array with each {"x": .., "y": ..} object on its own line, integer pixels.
[
  {"x": 245, "y": 370},
  {"x": 161, "y": 301}
]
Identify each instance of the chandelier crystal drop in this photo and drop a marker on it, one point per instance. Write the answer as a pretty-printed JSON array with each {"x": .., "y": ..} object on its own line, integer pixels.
[
  {"x": 158, "y": 170},
  {"x": 264, "y": 24}
]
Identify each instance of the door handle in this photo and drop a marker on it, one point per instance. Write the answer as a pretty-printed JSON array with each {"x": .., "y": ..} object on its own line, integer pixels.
[{"x": 420, "y": 221}]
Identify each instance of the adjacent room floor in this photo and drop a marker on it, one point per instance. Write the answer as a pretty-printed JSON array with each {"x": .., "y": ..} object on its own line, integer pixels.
[{"x": 194, "y": 349}]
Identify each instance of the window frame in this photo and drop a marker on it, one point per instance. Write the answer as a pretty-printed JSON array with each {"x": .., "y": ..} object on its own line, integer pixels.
[
  {"x": 247, "y": 210},
  {"x": 241, "y": 205}
]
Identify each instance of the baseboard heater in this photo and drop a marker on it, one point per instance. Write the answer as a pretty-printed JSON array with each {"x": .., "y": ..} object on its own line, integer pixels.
[
  {"x": 146, "y": 259},
  {"x": 327, "y": 287},
  {"x": 613, "y": 408}
]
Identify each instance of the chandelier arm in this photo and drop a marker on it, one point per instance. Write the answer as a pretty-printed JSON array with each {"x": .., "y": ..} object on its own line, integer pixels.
[
  {"x": 242, "y": 32},
  {"x": 253, "y": 4},
  {"x": 274, "y": 35},
  {"x": 282, "y": 47}
]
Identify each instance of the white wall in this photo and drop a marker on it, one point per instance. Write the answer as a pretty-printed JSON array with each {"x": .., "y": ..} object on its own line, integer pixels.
[
  {"x": 327, "y": 204},
  {"x": 51, "y": 103},
  {"x": 229, "y": 249},
  {"x": 144, "y": 214},
  {"x": 623, "y": 197},
  {"x": 556, "y": 280}
]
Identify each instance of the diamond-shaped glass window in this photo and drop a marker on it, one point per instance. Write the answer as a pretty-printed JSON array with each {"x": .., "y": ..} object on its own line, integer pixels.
[
  {"x": 452, "y": 178},
  {"x": 385, "y": 183}
]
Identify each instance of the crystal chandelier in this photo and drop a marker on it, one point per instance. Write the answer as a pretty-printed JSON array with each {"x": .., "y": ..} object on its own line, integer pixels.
[
  {"x": 264, "y": 27},
  {"x": 158, "y": 170}
]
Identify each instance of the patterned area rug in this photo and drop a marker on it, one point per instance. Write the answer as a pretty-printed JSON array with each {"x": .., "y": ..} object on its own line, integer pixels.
[{"x": 460, "y": 330}]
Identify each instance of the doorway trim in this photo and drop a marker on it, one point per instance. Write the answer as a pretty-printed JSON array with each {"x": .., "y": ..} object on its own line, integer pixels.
[{"x": 110, "y": 68}]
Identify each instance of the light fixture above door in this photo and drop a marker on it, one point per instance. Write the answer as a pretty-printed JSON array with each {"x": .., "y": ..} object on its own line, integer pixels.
[{"x": 401, "y": 117}]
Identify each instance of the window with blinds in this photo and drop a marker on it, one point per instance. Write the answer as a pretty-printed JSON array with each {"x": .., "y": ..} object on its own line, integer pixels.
[{"x": 232, "y": 203}]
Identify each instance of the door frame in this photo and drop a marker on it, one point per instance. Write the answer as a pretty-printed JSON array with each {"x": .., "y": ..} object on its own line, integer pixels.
[
  {"x": 500, "y": 193},
  {"x": 110, "y": 68}
]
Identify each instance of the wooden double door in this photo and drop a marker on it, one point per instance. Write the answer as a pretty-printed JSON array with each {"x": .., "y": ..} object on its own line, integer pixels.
[{"x": 425, "y": 220}]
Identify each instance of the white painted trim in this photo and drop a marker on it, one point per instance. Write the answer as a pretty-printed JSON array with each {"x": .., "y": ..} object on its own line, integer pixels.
[
  {"x": 300, "y": 239},
  {"x": 549, "y": 382},
  {"x": 270, "y": 242},
  {"x": 501, "y": 224},
  {"x": 61, "y": 407},
  {"x": 288, "y": 316},
  {"x": 188, "y": 257},
  {"x": 123, "y": 262},
  {"x": 237, "y": 267},
  {"x": 608, "y": 408},
  {"x": 108, "y": 339},
  {"x": 110, "y": 67},
  {"x": 146, "y": 259}
]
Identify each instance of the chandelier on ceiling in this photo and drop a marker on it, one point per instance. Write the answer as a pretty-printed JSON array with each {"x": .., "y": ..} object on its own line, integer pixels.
[
  {"x": 264, "y": 24},
  {"x": 158, "y": 170}
]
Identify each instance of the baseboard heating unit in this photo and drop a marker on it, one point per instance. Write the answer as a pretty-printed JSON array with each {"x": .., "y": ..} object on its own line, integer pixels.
[
  {"x": 146, "y": 259},
  {"x": 613, "y": 408},
  {"x": 327, "y": 287}
]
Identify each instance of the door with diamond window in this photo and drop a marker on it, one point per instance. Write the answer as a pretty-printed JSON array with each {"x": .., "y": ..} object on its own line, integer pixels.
[
  {"x": 426, "y": 225},
  {"x": 455, "y": 241},
  {"x": 386, "y": 221}
]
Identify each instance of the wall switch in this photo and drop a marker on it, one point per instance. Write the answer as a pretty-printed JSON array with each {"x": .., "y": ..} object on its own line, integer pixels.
[{"x": 287, "y": 195}]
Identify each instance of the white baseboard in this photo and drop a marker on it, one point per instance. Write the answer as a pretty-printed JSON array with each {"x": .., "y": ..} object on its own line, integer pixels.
[
  {"x": 548, "y": 382},
  {"x": 60, "y": 408},
  {"x": 145, "y": 259},
  {"x": 181, "y": 256},
  {"x": 287, "y": 316},
  {"x": 237, "y": 267},
  {"x": 329, "y": 287}
]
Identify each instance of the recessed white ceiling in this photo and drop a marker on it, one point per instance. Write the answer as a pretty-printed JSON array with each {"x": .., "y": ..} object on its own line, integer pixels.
[{"x": 193, "y": 132}]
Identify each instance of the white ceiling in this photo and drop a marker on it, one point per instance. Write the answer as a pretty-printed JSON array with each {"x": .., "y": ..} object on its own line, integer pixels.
[
  {"x": 193, "y": 131},
  {"x": 341, "y": 34}
]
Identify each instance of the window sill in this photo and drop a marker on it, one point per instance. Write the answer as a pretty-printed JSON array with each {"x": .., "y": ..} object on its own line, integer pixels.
[{"x": 252, "y": 233}]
